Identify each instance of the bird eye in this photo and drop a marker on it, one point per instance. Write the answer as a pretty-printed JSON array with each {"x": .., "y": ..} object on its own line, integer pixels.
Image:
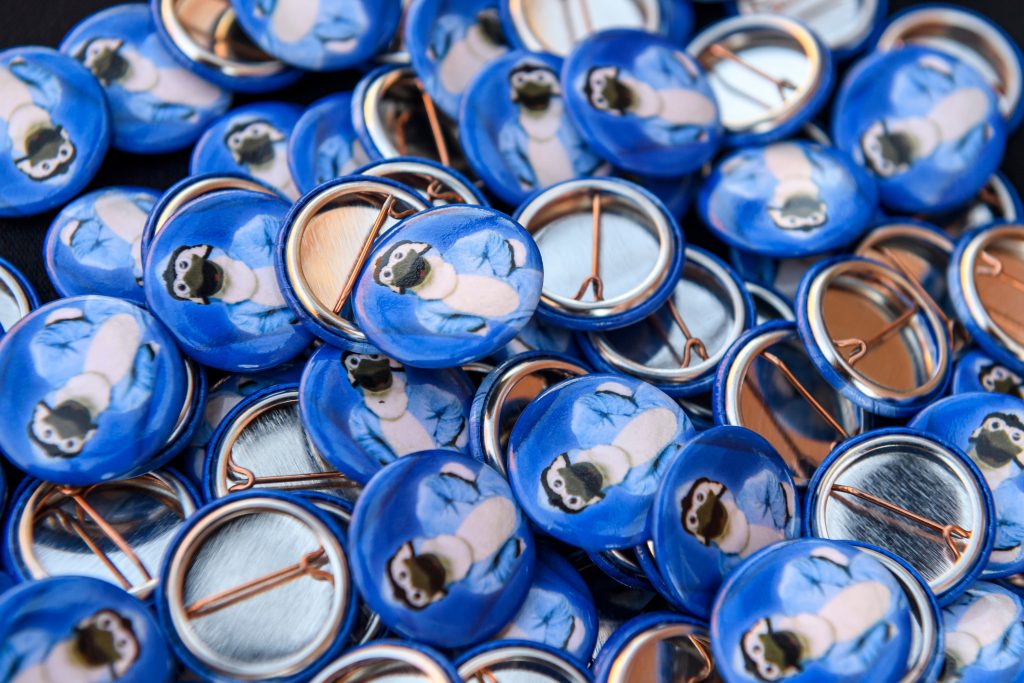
[
  {"x": 403, "y": 575},
  {"x": 1016, "y": 435},
  {"x": 352, "y": 362},
  {"x": 65, "y": 152},
  {"x": 995, "y": 424},
  {"x": 700, "y": 497},
  {"x": 182, "y": 265},
  {"x": 70, "y": 445},
  {"x": 691, "y": 519},
  {"x": 46, "y": 166},
  {"x": 105, "y": 622},
  {"x": 235, "y": 140},
  {"x": 181, "y": 288},
  {"x": 557, "y": 483},
  {"x": 47, "y": 434},
  {"x": 755, "y": 648},
  {"x": 385, "y": 274},
  {"x": 399, "y": 255},
  {"x": 573, "y": 500},
  {"x": 417, "y": 597}
]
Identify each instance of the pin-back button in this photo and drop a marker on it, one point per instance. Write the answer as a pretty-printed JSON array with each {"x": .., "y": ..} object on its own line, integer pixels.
[
  {"x": 989, "y": 428},
  {"x": 612, "y": 251},
  {"x": 390, "y": 660},
  {"x": 727, "y": 495},
  {"x": 205, "y": 36},
  {"x": 810, "y": 610},
  {"x": 516, "y": 130},
  {"x": 439, "y": 184},
  {"x": 982, "y": 629},
  {"x": 557, "y": 28},
  {"x": 767, "y": 384},
  {"x": 925, "y": 123},
  {"x": 997, "y": 202},
  {"x": 624, "y": 567},
  {"x": 769, "y": 304},
  {"x": 320, "y": 36},
  {"x": 540, "y": 336},
  {"x": 508, "y": 661},
  {"x": 93, "y": 388},
  {"x": 210, "y": 277},
  {"x": 189, "y": 418},
  {"x": 986, "y": 284},
  {"x": 156, "y": 105},
  {"x": 783, "y": 275},
  {"x": 327, "y": 238},
  {"x": 586, "y": 456},
  {"x": 94, "y": 246},
  {"x": 911, "y": 494},
  {"x": 659, "y": 647},
  {"x": 380, "y": 410},
  {"x": 873, "y": 336},
  {"x": 770, "y": 75},
  {"x": 976, "y": 372},
  {"x": 76, "y": 628},
  {"x": 441, "y": 551},
  {"x": 116, "y": 531},
  {"x": 476, "y": 372},
  {"x": 677, "y": 194},
  {"x": 616, "y": 602},
  {"x": 17, "y": 296},
  {"x": 57, "y": 128},
  {"x": 450, "y": 42},
  {"x": 448, "y": 286},
  {"x": 262, "y": 558},
  {"x": 788, "y": 199},
  {"x": 846, "y": 27},
  {"x": 323, "y": 144},
  {"x": 678, "y": 347},
  {"x": 251, "y": 140}
]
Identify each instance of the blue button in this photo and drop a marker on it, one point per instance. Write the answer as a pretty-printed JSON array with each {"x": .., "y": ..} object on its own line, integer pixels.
[
  {"x": 788, "y": 199},
  {"x": 521, "y": 660},
  {"x": 407, "y": 656},
  {"x": 586, "y": 456},
  {"x": 93, "y": 388},
  {"x": 680, "y": 641},
  {"x": 516, "y": 131},
  {"x": 156, "y": 104},
  {"x": 781, "y": 274},
  {"x": 983, "y": 632},
  {"x": 440, "y": 184},
  {"x": 55, "y": 129},
  {"x": 812, "y": 610},
  {"x": 253, "y": 141},
  {"x": 440, "y": 549},
  {"x": 642, "y": 103},
  {"x": 727, "y": 495},
  {"x": 924, "y": 123},
  {"x": 6, "y": 582},
  {"x": 323, "y": 144},
  {"x": 450, "y": 42},
  {"x": 380, "y": 410},
  {"x": 540, "y": 336},
  {"x": 976, "y": 371},
  {"x": 323, "y": 35},
  {"x": 94, "y": 246},
  {"x": 997, "y": 202},
  {"x": 448, "y": 286},
  {"x": 846, "y": 29},
  {"x": 17, "y": 296},
  {"x": 677, "y": 194},
  {"x": 80, "y": 629},
  {"x": 210, "y": 278}
]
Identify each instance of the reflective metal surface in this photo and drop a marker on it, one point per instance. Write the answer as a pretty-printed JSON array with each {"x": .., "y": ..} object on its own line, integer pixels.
[
  {"x": 991, "y": 270},
  {"x": 666, "y": 654},
  {"x": 768, "y": 305},
  {"x": 994, "y": 204},
  {"x": 841, "y": 24},
  {"x": 194, "y": 190},
  {"x": 436, "y": 184},
  {"x": 384, "y": 663},
  {"x": 14, "y": 304},
  {"x": 557, "y": 26},
  {"x": 519, "y": 664}
]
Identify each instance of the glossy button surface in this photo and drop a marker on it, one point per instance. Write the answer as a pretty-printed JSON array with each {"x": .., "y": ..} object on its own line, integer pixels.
[{"x": 323, "y": 145}]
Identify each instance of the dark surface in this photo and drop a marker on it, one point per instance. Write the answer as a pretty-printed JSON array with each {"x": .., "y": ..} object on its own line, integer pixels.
[{"x": 45, "y": 22}]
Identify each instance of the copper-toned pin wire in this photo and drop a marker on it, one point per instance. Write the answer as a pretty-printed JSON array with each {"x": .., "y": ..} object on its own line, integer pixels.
[
  {"x": 436, "y": 192},
  {"x": 691, "y": 344},
  {"x": 781, "y": 84},
  {"x": 435, "y": 128},
  {"x": 252, "y": 480},
  {"x": 594, "y": 279},
  {"x": 364, "y": 252},
  {"x": 947, "y": 531},
  {"x": 704, "y": 649},
  {"x": 309, "y": 565},
  {"x": 993, "y": 267},
  {"x": 485, "y": 675},
  {"x": 893, "y": 257},
  {"x": 862, "y": 346},
  {"x": 798, "y": 455},
  {"x": 802, "y": 390}
]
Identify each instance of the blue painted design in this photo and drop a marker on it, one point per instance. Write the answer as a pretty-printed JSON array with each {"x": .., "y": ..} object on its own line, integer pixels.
[
  {"x": 984, "y": 636},
  {"x": 926, "y": 124},
  {"x": 156, "y": 104},
  {"x": 976, "y": 371},
  {"x": 627, "y": 633},
  {"x": 324, "y": 145},
  {"x": 537, "y": 335}
]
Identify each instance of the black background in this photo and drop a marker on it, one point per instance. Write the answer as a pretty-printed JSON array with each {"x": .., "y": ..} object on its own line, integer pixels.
[{"x": 45, "y": 22}]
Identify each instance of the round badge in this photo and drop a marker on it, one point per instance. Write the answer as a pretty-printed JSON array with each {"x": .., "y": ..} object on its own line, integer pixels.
[
  {"x": 253, "y": 141},
  {"x": 997, "y": 202},
  {"x": 539, "y": 336},
  {"x": 210, "y": 278},
  {"x": 92, "y": 386},
  {"x": 94, "y": 246},
  {"x": 156, "y": 105},
  {"x": 324, "y": 35},
  {"x": 660, "y": 647},
  {"x": 438, "y": 183},
  {"x": 17, "y": 297},
  {"x": 448, "y": 286},
  {"x": 586, "y": 456},
  {"x": 977, "y": 372},
  {"x": 926, "y": 124},
  {"x": 984, "y": 633},
  {"x": 80, "y": 629},
  {"x": 514, "y": 660},
  {"x": 516, "y": 131},
  {"x": 642, "y": 103},
  {"x": 811, "y": 610},
  {"x": 381, "y": 657},
  {"x": 323, "y": 145},
  {"x": 845, "y": 27},
  {"x": 55, "y": 128},
  {"x": 727, "y": 495},
  {"x": 380, "y": 410},
  {"x": 441, "y": 551},
  {"x": 769, "y": 304}
]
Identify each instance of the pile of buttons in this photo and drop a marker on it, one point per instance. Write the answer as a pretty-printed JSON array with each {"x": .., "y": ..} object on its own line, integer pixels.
[{"x": 427, "y": 382}]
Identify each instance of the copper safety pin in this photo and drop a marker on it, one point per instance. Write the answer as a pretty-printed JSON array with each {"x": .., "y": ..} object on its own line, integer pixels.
[
  {"x": 364, "y": 252},
  {"x": 992, "y": 266},
  {"x": 436, "y": 193},
  {"x": 893, "y": 257},
  {"x": 435, "y": 128},
  {"x": 951, "y": 533},
  {"x": 594, "y": 279},
  {"x": 485, "y": 675},
  {"x": 781, "y": 84},
  {"x": 861, "y": 346},
  {"x": 252, "y": 480},
  {"x": 704, "y": 649},
  {"x": 691, "y": 345},
  {"x": 308, "y": 565}
]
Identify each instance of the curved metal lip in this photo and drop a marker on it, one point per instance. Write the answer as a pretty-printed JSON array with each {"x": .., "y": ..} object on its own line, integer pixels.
[
  {"x": 189, "y": 405},
  {"x": 658, "y": 225},
  {"x": 293, "y": 247},
  {"x": 197, "y": 189},
  {"x": 177, "y": 572},
  {"x": 161, "y": 483},
  {"x": 531, "y": 37},
  {"x": 929, "y": 26},
  {"x": 865, "y": 20},
  {"x": 968, "y": 283},
  {"x": 910, "y": 444},
  {"x": 179, "y": 35},
  {"x": 772, "y": 300},
  {"x": 734, "y": 300},
  {"x": 819, "y": 330},
  {"x": 619, "y": 671},
  {"x": 373, "y": 661},
  {"x": 376, "y": 90},
  {"x": 11, "y": 283},
  {"x": 535, "y": 658},
  {"x": 752, "y": 24},
  {"x": 392, "y": 169}
]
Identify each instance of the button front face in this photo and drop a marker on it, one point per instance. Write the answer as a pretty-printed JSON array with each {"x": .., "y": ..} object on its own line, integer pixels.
[
  {"x": 440, "y": 549},
  {"x": 54, "y": 129},
  {"x": 448, "y": 286},
  {"x": 642, "y": 103},
  {"x": 788, "y": 199},
  {"x": 156, "y": 104},
  {"x": 983, "y": 633},
  {"x": 978, "y": 372},
  {"x": 924, "y": 123},
  {"x": 323, "y": 145},
  {"x": 92, "y": 386},
  {"x": 586, "y": 456},
  {"x": 210, "y": 278}
]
